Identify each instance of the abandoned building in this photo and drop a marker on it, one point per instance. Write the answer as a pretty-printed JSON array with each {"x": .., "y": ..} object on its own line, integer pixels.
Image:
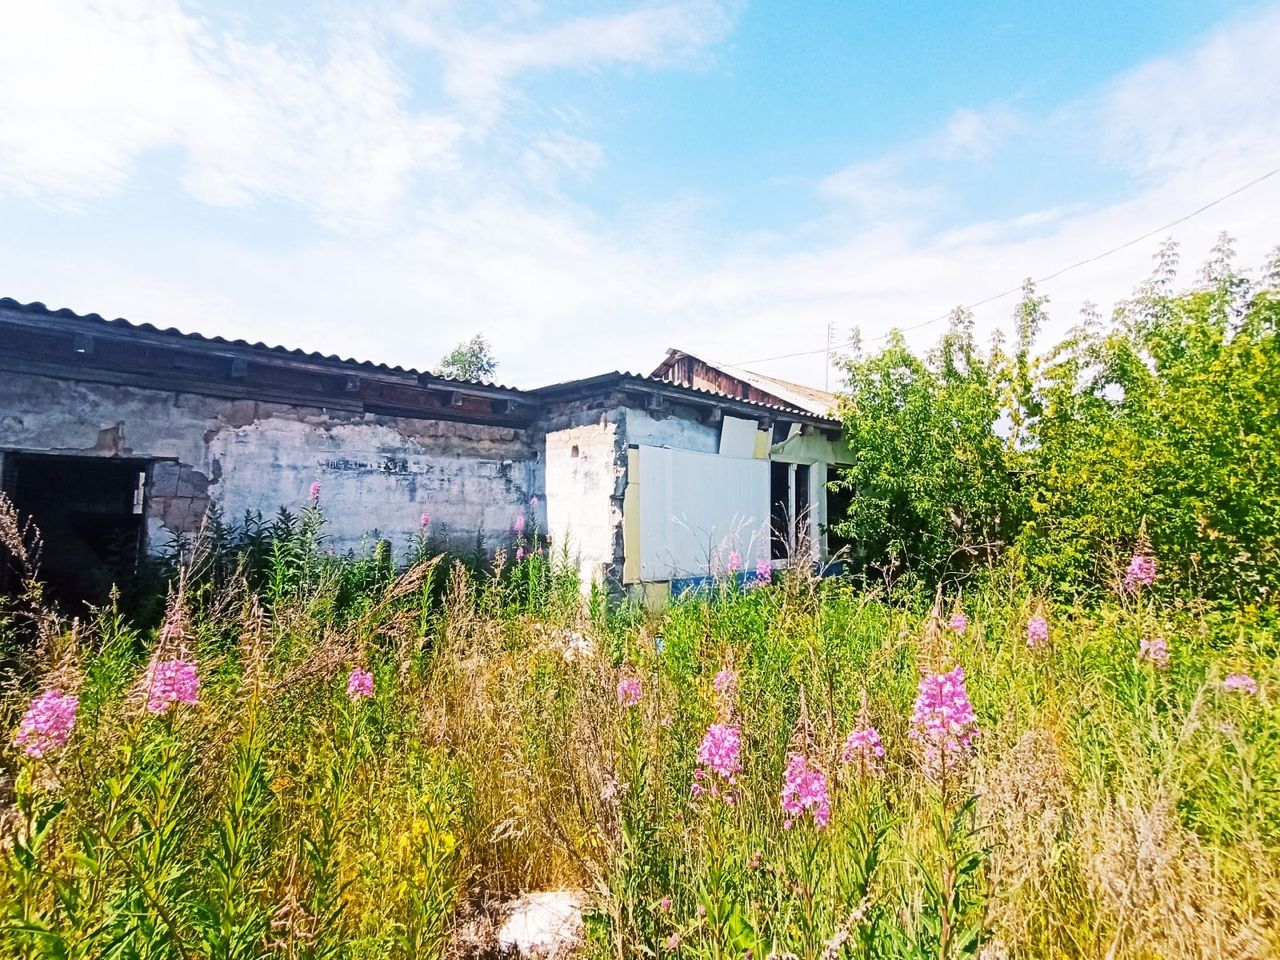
[{"x": 116, "y": 439}]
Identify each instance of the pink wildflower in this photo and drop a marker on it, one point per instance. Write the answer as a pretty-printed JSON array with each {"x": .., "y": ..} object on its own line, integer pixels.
[
  {"x": 1037, "y": 632},
  {"x": 47, "y": 723},
  {"x": 804, "y": 788},
  {"x": 518, "y": 526},
  {"x": 724, "y": 681},
  {"x": 629, "y": 691},
  {"x": 425, "y": 520},
  {"x": 959, "y": 623},
  {"x": 1141, "y": 572},
  {"x": 359, "y": 684},
  {"x": 864, "y": 748},
  {"x": 721, "y": 751},
  {"x": 315, "y": 491},
  {"x": 943, "y": 722},
  {"x": 533, "y": 502},
  {"x": 764, "y": 571},
  {"x": 519, "y": 554},
  {"x": 1156, "y": 651},
  {"x": 734, "y": 561},
  {"x": 1240, "y": 683},
  {"x": 673, "y": 942},
  {"x": 664, "y": 904},
  {"x": 169, "y": 682}
]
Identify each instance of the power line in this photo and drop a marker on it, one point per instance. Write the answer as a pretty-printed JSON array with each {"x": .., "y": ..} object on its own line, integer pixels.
[{"x": 1045, "y": 279}]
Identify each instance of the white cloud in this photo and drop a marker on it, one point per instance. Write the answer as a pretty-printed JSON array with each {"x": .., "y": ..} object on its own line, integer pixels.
[
  {"x": 564, "y": 292},
  {"x": 975, "y": 134},
  {"x": 560, "y": 154},
  {"x": 480, "y": 64},
  {"x": 87, "y": 89},
  {"x": 880, "y": 189},
  {"x": 1179, "y": 112}
]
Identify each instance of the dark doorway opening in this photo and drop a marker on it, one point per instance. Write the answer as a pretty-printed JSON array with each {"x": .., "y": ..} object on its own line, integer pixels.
[
  {"x": 779, "y": 510},
  {"x": 790, "y": 504},
  {"x": 89, "y": 513},
  {"x": 800, "y": 519}
]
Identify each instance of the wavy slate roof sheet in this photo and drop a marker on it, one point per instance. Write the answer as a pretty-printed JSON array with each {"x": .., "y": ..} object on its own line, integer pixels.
[
  {"x": 650, "y": 380},
  {"x": 41, "y": 310},
  {"x": 119, "y": 323}
]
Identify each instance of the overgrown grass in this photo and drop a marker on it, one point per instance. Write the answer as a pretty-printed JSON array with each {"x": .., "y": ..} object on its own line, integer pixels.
[{"x": 1112, "y": 808}]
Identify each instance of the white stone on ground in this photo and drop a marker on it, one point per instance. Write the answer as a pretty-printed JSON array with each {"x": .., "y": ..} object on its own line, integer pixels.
[{"x": 545, "y": 924}]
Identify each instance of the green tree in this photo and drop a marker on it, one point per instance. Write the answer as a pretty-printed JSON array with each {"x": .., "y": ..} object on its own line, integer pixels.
[
  {"x": 1172, "y": 418},
  {"x": 470, "y": 360},
  {"x": 1167, "y": 419},
  {"x": 931, "y": 484}
]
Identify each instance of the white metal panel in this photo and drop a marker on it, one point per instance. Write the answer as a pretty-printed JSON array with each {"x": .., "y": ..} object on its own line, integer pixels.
[
  {"x": 737, "y": 437},
  {"x": 695, "y": 508}
]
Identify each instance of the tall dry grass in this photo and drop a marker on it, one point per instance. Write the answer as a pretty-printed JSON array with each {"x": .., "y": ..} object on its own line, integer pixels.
[{"x": 1113, "y": 808}]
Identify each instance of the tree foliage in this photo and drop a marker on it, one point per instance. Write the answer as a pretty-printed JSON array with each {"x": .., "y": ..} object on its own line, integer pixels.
[
  {"x": 470, "y": 360},
  {"x": 1167, "y": 420}
]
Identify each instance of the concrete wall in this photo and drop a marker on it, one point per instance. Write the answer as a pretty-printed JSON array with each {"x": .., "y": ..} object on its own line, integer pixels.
[
  {"x": 686, "y": 432},
  {"x": 376, "y": 473},
  {"x": 585, "y": 481}
]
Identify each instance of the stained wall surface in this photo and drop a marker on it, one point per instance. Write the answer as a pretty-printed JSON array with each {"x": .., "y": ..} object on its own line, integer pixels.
[{"x": 377, "y": 474}]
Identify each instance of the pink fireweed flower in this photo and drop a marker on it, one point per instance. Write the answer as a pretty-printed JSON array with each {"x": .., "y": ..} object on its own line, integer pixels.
[
  {"x": 425, "y": 520},
  {"x": 315, "y": 491},
  {"x": 734, "y": 561},
  {"x": 720, "y": 752},
  {"x": 533, "y": 502},
  {"x": 1037, "y": 632},
  {"x": 724, "y": 681},
  {"x": 519, "y": 554},
  {"x": 1156, "y": 651},
  {"x": 629, "y": 691},
  {"x": 864, "y": 748},
  {"x": 673, "y": 942},
  {"x": 1240, "y": 683},
  {"x": 518, "y": 526},
  {"x": 959, "y": 623},
  {"x": 664, "y": 904},
  {"x": 169, "y": 682},
  {"x": 764, "y": 572},
  {"x": 47, "y": 723},
  {"x": 804, "y": 788},
  {"x": 1141, "y": 572},
  {"x": 943, "y": 723},
  {"x": 359, "y": 684}
]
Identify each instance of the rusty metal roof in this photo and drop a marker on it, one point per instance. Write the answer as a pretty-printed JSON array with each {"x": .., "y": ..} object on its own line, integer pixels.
[{"x": 618, "y": 377}]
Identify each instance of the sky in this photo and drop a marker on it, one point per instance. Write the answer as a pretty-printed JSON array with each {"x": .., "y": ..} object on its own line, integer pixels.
[{"x": 589, "y": 184}]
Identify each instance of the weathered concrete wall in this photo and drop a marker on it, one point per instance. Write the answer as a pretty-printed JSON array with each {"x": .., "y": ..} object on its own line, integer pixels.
[
  {"x": 376, "y": 473},
  {"x": 585, "y": 482},
  {"x": 680, "y": 432}
]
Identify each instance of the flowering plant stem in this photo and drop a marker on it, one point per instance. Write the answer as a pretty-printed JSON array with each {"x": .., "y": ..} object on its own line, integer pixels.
[{"x": 951, "y": 923}]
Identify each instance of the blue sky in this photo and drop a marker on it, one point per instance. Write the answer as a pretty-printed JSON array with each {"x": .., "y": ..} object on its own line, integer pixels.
[{"x": 590, "y": 183}]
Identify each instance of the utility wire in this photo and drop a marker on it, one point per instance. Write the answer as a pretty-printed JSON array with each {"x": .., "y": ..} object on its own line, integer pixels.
[{"x": 1045, "y": 279}]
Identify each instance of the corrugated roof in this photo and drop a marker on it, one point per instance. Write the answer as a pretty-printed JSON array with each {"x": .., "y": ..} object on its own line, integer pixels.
[
  {"x": 650, "y": 380},
  {"x": 41, "y": 310},
  {"x": 821, "y": 403},
  {"x": 8, "y": 303}
]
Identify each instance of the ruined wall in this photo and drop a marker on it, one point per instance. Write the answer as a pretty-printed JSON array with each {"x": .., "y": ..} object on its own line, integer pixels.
[
  {"x": 671, "y": 429},
  {"x": 376, "y": 473},
  {"x": 585, "y": 482},
  {"x": 587, "y": 474}
]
